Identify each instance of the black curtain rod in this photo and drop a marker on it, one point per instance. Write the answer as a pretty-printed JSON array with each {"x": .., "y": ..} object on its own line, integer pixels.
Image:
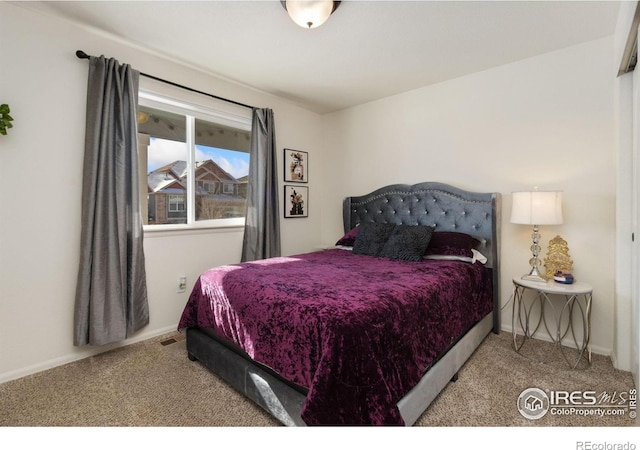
[{"x": 82, "y": 55}]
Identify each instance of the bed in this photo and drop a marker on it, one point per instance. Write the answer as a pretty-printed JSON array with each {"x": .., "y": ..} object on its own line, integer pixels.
[{"x": 368, "y": 332}]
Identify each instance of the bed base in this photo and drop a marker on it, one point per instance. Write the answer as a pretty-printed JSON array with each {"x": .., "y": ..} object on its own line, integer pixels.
[
  {"x": 416, "y": 402},
  {"x": 284, "y": 402},
  {"x": 270, "y": 392}
]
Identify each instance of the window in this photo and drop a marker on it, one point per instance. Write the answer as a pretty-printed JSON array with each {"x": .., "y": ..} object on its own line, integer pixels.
[
  {"x": 195, "y": 162},
  {"x": 209, "y": 187},
  {"x": 176, "y": 203}
]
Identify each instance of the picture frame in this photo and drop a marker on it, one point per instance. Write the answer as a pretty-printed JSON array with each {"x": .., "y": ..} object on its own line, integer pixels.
[
  {"x": 296, "y": 201},
  {"x": 296, "y": 166}
]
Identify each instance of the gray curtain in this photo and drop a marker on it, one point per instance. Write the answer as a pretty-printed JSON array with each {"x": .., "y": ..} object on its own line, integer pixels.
[
  {"x": 111, "y": 294},
  {"x": 262, "y": 229}
]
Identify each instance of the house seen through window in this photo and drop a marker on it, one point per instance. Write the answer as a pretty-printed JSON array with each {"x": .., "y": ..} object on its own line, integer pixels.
[{"x": 196, "y": 164}]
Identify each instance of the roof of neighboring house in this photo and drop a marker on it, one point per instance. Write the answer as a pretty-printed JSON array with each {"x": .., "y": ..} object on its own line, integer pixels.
[
  {"x": 171, "y": 177},
  {"x": 165, "y": 178},
  {"x": 216, "y": 170}
]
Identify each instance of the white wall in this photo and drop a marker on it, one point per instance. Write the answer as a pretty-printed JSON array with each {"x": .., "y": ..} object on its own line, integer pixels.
[
  {"x": 545, "y": 121},
  {"x": 40, "y": 181}
]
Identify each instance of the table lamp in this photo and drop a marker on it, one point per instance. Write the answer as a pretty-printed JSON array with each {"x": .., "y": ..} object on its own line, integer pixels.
[{"x": 536, "y": 208}]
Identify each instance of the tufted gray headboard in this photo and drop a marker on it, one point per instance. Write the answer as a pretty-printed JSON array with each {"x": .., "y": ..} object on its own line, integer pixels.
[{"x": 440, "y": 205}]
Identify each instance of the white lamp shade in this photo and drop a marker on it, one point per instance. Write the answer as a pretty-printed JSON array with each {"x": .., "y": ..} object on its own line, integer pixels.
[
  {"x": 537, "y": 208},
  {"x": 308, "y": 13}
]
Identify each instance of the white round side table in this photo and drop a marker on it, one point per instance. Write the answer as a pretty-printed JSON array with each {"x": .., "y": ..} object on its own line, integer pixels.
[{"x": 576, "y": 307}]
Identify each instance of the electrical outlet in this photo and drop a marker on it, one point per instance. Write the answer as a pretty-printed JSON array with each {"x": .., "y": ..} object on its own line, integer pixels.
[{"x": 182, "y": 285}]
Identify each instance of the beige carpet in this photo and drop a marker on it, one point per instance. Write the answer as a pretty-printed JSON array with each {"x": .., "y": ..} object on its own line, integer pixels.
[{"x": 151, "y": 384}]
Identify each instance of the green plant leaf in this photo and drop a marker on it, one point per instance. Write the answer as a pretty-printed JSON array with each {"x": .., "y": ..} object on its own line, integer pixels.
[{"x": 5, "y": 119}]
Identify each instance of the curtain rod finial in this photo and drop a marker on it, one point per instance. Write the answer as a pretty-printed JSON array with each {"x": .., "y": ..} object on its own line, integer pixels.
[{"x": 82, "y": 55}]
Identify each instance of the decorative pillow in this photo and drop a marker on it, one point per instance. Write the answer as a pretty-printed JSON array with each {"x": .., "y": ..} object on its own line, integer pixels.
[
  {"x": 449, "y": 243},
  {"x": 371, "y": 238},
  {"x": 477, "y": 257},
  {"x": 451, "y": 258},
  {"x": 407, "y": 242},
  {"x": 348, "y": 239}
]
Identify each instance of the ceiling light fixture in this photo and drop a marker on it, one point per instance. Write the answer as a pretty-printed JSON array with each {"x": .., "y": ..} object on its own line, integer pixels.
[{"x": 309, "y": 13}]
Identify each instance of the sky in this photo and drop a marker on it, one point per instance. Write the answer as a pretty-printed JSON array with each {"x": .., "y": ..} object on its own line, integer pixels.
[{"x": 162, "y": 152}]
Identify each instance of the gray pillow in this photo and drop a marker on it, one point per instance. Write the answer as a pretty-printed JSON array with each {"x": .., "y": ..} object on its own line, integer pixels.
[
  {"x": 408, "y": 242},
  {"x": 371, "y": 238}
]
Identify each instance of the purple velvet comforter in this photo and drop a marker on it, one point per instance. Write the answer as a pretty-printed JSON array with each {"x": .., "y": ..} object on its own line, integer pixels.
[{"x": 358, "y": 331}]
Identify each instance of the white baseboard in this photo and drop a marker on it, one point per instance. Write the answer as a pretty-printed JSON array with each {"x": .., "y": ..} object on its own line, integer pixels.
[
  {"x": 542, "y": 336},
  {"x": 84, "y": 352}
]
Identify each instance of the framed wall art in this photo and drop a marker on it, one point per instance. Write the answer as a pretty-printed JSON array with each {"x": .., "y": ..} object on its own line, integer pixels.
[
  {"x": 296, "y": 201},
  {"x": 296, "y": 165}
]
